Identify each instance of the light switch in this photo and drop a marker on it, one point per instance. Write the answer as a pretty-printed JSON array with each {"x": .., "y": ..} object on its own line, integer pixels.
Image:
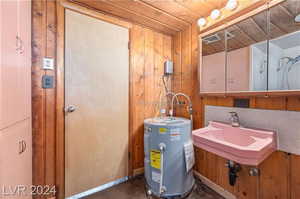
[
  {"x": 48, "y": 63},
  {"x": 47, "y": 81}
]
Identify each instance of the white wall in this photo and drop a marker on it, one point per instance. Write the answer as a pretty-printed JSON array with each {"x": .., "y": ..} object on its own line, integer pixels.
[
  {"x": 283, "y": 79},
  {"x": 275, "y": 77},
  {"x": 294, "y": 74},
  {"x": 258, "y": 71},
  {"x": 278, "y": 79}
]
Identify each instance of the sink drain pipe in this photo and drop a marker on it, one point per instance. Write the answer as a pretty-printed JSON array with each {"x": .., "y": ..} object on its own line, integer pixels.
[{"x": 233, "y": 169}]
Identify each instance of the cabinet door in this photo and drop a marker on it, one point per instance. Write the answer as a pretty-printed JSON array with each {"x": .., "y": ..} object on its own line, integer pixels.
[
  {"x": 213, "y": 73},
  {"x": 24, "y": 53},
  {"x": 15, "y": 62},
  {"x": 238, "y": 69},
  {"x": 213, "y": 63},
  {"x": 9, "y": 66},
  {"x": 16, "y": 158}
]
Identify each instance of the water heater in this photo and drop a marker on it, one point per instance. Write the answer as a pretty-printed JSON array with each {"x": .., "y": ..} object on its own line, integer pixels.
[{"x": 169, "y": 156}]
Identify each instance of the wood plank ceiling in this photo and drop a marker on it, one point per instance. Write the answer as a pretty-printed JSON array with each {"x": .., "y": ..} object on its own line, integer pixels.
[
  {"x": 167, "y": 16},
  {"x": 254, "y": 29}
]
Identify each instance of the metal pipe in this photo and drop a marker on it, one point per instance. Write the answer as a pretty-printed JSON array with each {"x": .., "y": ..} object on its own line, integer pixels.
[
  {"x": 162, "y": 148},
  {"x": 190, "y": 108},
  {"x": 160, "y": 101}
]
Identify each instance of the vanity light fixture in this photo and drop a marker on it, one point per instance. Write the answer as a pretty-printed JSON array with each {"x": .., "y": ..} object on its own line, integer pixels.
[
  {"x": 215, "y": 14},
  {"x": 231, "y": 4},
  {"x": 201, "y": 21}
]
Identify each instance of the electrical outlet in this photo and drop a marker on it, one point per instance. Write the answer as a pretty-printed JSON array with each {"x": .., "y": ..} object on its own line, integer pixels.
[{"x": 241, "y": 103}]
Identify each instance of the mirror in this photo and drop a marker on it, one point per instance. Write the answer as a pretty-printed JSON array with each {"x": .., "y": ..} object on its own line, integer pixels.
[
  {"x": 284, "y": 46},
  {"x": 246, "y": 61},
  {"x": 260, "y": 53},
  {"x": 213, "y": 63}
]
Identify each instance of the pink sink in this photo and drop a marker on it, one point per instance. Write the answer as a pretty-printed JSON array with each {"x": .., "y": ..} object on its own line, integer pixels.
[{"x": 242, "y": 145}]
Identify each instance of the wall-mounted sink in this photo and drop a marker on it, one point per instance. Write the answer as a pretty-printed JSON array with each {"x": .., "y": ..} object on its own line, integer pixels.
[{"x": 242, "y": 145}]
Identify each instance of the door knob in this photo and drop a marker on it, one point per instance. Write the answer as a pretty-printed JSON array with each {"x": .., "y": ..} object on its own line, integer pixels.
[{"x": 70, "y": 109}]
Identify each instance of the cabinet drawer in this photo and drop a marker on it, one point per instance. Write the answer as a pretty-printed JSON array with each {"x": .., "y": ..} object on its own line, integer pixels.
[{"x": 16, "y": 156}]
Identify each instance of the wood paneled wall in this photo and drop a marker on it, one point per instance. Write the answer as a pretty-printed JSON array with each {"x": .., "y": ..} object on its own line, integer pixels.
[
  {"x": 43, "y": 100},
  {"x": 186, "y": 56},
  {"x": 280, "y": 176},
  {"x": 148, "y": 51}
]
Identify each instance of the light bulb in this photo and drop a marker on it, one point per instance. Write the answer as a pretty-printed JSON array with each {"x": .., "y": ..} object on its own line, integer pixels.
[
  {"x": 231, "y": 4},
  {"x": 201, "y": 21},
  {"x": 215, "y": 14}
]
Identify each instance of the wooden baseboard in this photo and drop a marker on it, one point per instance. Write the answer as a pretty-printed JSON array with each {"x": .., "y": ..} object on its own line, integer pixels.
[
  {"x": 215, "y": 187},
  {"x": 138, "y": 171}
]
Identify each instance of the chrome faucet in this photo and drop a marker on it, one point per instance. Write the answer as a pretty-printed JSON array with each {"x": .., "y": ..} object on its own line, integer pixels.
[{"x": 235, "y": 121}]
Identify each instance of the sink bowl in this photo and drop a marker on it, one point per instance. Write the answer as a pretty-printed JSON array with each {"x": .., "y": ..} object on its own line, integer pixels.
[{"x": 242, "y": 145}]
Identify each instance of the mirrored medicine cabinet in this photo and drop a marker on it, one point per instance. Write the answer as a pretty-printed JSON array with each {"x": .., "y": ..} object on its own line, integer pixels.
[{"x": 258, "y": 54}]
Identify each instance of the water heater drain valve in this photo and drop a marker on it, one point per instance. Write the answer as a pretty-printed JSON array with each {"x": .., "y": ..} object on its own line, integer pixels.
[{"x": 162, "y": 147}]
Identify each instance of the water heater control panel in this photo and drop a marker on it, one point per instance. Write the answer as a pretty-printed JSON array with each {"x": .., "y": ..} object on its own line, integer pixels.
[{"x": 168, "y": 66}]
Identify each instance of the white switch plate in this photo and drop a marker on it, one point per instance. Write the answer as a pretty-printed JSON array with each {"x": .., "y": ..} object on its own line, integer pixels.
[{"x": 48, "y": 63}]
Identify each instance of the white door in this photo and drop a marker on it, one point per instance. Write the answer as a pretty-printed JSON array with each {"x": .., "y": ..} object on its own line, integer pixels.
[{"x": 97, "y": 87}]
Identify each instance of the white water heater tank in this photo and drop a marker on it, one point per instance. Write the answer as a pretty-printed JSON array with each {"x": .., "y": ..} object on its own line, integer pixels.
[{"x": 169, "y": 156}]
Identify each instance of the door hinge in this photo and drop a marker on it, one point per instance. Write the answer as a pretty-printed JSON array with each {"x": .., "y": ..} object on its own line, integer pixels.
[
  {"x": 129, "y": 155},
  {"x": 129, "y": 45}
]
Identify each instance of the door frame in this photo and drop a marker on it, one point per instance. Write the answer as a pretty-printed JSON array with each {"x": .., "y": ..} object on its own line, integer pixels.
[{"x": 61, "y": 7}]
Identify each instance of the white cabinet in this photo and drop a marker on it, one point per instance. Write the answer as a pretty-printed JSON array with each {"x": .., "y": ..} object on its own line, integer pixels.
[
  {"x": 15, "y": 97},
  {"x": 238, "y": 70},
  {"x": 16, "y": 158},
  {"x": 213, "y": 73},
  {"x": 15, "y": 62}
]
